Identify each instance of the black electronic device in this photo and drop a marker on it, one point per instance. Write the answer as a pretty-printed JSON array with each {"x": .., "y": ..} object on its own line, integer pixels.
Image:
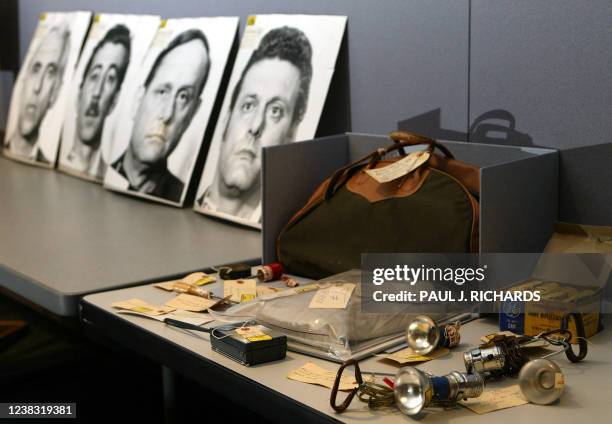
[
  {"x": 246, "y": 343},
  {"x": 265, "y": 345}
]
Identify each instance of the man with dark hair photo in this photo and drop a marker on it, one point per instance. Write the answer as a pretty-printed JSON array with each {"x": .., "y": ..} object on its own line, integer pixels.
[
  {"x": 98, "y": 93},
  {"x": 41, "y": 83},
  {"x": 168, "y": 101},
  {"x": 267, "y": 105}
]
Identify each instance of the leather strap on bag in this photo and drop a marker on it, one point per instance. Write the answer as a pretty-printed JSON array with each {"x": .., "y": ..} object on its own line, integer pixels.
[
  {"x": 400, "y": 139},
  {"x": 404, "y": 138}
]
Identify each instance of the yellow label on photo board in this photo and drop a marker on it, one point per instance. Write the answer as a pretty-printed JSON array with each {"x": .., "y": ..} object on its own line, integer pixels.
[
  {"x": 97, "y": 18},
  {"x": 42, "y": 16},
  {"x": 251, "y": 20},
  {"x": 163, "y": 23}
]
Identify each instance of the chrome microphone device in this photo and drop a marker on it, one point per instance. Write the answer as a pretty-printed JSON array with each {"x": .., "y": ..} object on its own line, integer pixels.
[
  {"x": 415, "y": 390},
  {"x": 424, "y": 336}
]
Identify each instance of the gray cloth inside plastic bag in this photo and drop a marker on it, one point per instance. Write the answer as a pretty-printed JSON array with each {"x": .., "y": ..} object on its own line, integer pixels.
[{"x": 337, "y": 334}]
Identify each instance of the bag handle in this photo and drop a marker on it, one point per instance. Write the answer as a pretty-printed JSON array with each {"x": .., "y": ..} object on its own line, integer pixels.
[
  {"x": 400, "y": 139},
  {"x": 404, "y": 138}
]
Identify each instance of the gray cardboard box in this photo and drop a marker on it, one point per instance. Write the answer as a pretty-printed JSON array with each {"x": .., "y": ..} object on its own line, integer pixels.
[
  {"x": 518, "y": 196},
  {"x": 585, "y": 176}
]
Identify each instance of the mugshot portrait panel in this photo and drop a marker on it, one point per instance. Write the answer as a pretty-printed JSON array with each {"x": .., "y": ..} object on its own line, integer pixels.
[
  {"x": 275, "y": 95},
  {"x": 162, "y": 126},
  {"x": 39, "y": 97},
  {"x": 114, "y": 49}
]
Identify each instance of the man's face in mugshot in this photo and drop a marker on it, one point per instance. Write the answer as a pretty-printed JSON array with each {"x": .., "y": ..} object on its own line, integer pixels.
[
  {"x": 98, "y": 91},
  {"x": 169, "y": 102},
  {"x": 43, "y": 77},
  {"x": 262, "y": 116}
]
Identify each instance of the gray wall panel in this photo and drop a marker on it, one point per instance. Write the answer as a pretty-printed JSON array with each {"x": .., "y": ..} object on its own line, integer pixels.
[
  {"x": 548, "y": 63},
  {"x": 405, "y": 56}
]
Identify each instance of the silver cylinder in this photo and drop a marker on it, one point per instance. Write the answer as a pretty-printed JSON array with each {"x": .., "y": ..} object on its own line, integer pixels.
[
  {"x": 484, "y": 360},
  {"x": 464, "y": 386},
  {"x": 541, "y": 381}
]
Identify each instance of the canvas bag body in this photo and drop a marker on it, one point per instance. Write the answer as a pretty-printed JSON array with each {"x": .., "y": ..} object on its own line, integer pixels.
[{"x": 433, "y": 209}]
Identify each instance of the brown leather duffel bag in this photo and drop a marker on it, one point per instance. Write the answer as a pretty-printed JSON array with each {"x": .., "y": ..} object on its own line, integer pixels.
[{"x": 432, "y": 209}]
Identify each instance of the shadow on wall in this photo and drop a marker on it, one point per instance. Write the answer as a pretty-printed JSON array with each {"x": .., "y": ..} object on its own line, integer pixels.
[{"x": 495, "y": 126}]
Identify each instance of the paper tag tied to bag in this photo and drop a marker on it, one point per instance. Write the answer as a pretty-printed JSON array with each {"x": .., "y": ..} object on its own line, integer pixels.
[
  {"x": 398, "y": 169},
  {"x": 240, "y": 290},
  {"x": 332, "y": 296},
  {"x": 313, "y": 374},
  {"x": 496, "y": 399},
  {"x": 138, "y": 305},
  {"x": 191, "y": 303}
]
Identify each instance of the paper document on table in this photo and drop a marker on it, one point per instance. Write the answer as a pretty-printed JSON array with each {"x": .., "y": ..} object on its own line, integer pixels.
[
  {"x": 138, "y": 305},
  {"x": 399, "y": 168},
  {"x": 166, "y": 285},
  {"x": 240, "y": 290},
  {"x": 196, "y": 279},
  {"x": 192, "y": 303},
  {"x": 334, "y": 296},
  {"x": 496, "y": 399},
  {"x": 313, "y": 374},
  {"x": 407, "y": 355},
  {"x": 183, "y": 316}
]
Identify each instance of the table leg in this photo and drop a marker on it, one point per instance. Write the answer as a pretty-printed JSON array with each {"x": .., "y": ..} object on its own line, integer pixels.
[{"x": 168, "y": 387}]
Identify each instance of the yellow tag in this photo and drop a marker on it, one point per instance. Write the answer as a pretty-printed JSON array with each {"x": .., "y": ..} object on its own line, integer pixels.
[
  {"x": 163, "y": 23},
  {"x": 407, "y": 355},
  {"x": 42, "y": 16},
  {"x": 259, "y": 338},
  {"x": 251, "y": 20},
  {"x": 245, "y": 297},
  {"x": 191, "y": 303},
  {"x": 496, "y": 399},
  {"x": 313, "y": 374},
  {"x": 97, "y": 18},
  {"x": 238, "y": 288},
  {"x": 206, "y": 280},
  {"x": 398, "y": 169},
  {"x": 559, "y": 380},
  {"x": 142, "y": 309}
]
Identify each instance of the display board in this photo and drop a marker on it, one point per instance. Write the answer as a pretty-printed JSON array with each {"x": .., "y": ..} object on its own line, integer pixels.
[
  {"x": 276, "y": 94},
  {"x": 40, "y": 93},
  {"x": 162, "y": 125},
  {"x": 112, "y": 55}
]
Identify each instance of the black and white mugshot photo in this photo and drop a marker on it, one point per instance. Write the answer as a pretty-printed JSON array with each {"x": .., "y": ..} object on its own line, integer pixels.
[
  {"x": 276, "y": 94},
  {"x": 40, "y": 92},
  {"x": 158, "y": 139},
  {"x": 114, "y": 43}
]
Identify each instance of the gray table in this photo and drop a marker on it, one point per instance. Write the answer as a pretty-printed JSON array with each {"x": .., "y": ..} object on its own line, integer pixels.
[
  {"x": 61, "y": 238},
  {"x": 266, "y": 390}
]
